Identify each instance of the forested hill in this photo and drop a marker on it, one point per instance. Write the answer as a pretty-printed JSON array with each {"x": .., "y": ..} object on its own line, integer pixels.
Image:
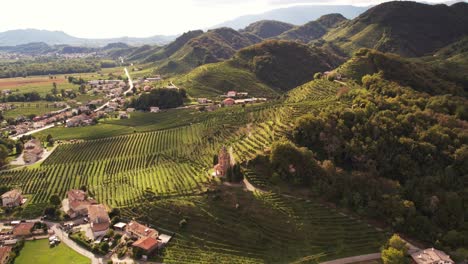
[
  {"x": 196, "y": 48},
  {"x": 313, "y": 29},
  {"x": 405, "y": 28},
  {"x": 267, "y": 28},
  {"x": 285, "y": 64},
  {"x": 419, "y": 75},
  {"x": 266, "y": 69}
]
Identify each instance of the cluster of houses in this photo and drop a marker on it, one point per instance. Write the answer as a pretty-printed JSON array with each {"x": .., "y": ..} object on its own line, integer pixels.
[
  {"x": 11, "y": 232},
  {"x": 230, "y": 98},
  {"x": 147, "y": 239},
  {"x": 78, "y": 204},
  {"x": 40, "y": 121},
  {"x": 143, "y": 84},
  {"x": 84, "y": 119},
  {"x": 111, "y": 88}
]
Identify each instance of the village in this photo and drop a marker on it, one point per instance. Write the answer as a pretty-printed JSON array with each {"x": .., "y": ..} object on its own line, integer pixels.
[{"x": 83, "y": 224}]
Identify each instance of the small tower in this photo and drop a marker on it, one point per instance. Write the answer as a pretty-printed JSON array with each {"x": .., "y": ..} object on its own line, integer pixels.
[{"x": 224, "y": 162}]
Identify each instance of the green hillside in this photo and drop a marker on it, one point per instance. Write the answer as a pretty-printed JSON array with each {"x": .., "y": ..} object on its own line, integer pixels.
[
  {"x": 267, "y": 28},
  {"x": 195, "y": 48},
  {"x": 314, "y": 29},
  {"x": 284, "y": 64},
  {"x": 416, "y": 74},
  {"x": 264, "y": 69},
  {"x": 405, "y": 28},
  {"x": 214, "y": 79}
]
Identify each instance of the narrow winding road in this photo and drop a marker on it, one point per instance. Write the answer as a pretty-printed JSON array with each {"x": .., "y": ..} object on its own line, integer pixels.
[{"x": 130, "y": 88}]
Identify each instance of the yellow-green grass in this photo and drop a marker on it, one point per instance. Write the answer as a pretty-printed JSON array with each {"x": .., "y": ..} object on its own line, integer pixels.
[
  {"x": 30, "y": 108},
  {"x": 215, "y": 79},
  {"x": 40, "y": 84},
  {"x": 39, "y": 252}
]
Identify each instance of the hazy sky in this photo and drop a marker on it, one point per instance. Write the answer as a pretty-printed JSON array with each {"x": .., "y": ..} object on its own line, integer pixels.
[{"x": 137, "y": 18}]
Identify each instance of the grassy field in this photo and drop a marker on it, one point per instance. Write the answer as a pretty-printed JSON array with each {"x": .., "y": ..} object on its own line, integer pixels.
[
  {"x": 39, "y": 252},
  {"x": 40, "y": 84},
  {"x": 25, "y": 109}
]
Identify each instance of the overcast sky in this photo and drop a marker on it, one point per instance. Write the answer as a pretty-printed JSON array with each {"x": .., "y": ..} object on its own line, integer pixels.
[{"x": 137, "y": 18}]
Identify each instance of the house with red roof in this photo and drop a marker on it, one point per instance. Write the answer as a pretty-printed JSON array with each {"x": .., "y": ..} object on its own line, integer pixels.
[
  {"x": 147, "y": 244},
  {"x": 5, "y": 254},
  {"x": 98, "y": 219}
]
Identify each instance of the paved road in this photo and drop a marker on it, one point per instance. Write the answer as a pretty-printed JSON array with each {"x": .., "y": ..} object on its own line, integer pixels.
[
  {"x": 32, "y": 131},
  {"x": 354, "y": 259},
  {"x": 130, "y": 88}
]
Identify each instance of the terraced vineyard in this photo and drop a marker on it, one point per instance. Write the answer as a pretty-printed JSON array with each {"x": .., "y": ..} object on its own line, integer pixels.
[
  {"x": 118, "y": 170},
  {"x": 269, "y": 229},
  {"x": 163, "y": 175}
]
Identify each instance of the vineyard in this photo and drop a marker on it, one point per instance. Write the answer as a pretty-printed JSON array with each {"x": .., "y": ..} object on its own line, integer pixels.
[
  {"x": 265, "y": 228},
  {"x": 158, "y": 169},
  {"x": 173, "y": 159}
]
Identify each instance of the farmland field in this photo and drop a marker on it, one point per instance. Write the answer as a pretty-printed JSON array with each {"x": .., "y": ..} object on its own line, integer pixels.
[
  {"x": 40, "y": 84},
  {"x": 30, "y": 108},
  {"x": 41, "y": 253},
  {"x": 163, "y": 161}
]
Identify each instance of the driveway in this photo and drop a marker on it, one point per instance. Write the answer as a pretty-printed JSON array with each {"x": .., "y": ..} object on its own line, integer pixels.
[{"x": 70, "y": 243}]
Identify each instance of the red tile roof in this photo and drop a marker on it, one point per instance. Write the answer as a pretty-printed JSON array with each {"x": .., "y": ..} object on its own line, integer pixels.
[
  {"x": 146, "y": 243},
  {"x": 4, "y": 252},
  {"x": 98, "y": 217},
  {"x": 23, "y": 229},
  {"x": 141, "y": 230}
]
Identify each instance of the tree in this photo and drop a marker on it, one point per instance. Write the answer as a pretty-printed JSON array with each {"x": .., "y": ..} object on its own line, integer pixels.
[
  {"x": 393, "y": 256},
  {"x": 82, "y": 89},
  {"x": 396, "y": 242},
  {"x": 54, "y": 88},
  {"x": 50, "y": 140},
  {"x": 3, "y": 154},
  {"x": 19, "y": 147},
  {"x": 215, "y": 160},
  {"x": 55, "y": 200},
  {"x": 395, "y": 250}
]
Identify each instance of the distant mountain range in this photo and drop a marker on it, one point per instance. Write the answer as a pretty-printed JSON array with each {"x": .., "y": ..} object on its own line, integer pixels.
[
  {"x": 24, "y": 36},
  {"x": 297, "y": 15}
]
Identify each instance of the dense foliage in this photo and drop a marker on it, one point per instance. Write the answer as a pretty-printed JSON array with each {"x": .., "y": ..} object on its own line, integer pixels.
[
  {"x": 284, "y": 64},
  {"x": 418, "y": 75},
  {"x": 25, "y": 68},
  {"x": 267, "y": 28},
  {"x": 162, "y": 98},
  {"x": 406, "y": 154},
  {"x": 403, "y": 27}
]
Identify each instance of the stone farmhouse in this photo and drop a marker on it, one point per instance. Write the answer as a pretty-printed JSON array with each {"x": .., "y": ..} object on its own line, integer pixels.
[
  {"x": 32, "y": 151},
  {"x": 98, "y": 219},
  {"x": 12, "y": 198},
  {"x": 77, "y": 203}
]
